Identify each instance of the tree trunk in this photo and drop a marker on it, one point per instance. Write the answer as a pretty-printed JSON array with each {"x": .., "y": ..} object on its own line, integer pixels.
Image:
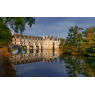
[{"x": 76, "y": 41}]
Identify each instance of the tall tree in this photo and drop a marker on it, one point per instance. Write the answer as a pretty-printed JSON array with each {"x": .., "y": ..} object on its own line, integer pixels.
[
  {"x": 89, "y": 41},
  {"x": 5, "y": 34},
  {"x": 15, "y": 23},
  {"x": 89, "y": 34},
  {"x": 62, "y": 41},
  {"x": 18, "y": 23},
  {"x": 74, "y": 36}
]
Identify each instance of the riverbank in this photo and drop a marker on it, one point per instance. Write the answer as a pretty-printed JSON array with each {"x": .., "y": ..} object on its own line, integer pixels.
[
  {"x": 6, "y": 68},
  {"x": 77, "y": 53},
  {"x": 61, "y": 51}
]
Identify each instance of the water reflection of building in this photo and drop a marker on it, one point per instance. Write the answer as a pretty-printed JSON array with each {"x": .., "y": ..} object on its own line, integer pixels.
[{"x": 46, "y": 56}]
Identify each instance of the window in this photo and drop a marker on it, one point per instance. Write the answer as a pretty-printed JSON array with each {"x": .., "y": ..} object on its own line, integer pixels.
[{"x": 36, "y": 43}]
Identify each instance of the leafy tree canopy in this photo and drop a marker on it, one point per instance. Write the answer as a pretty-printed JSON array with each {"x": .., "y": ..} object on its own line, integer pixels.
[
  {"x": 62, "y": 41},
  {"x": 74, "y": 36},
  {"x": 15, "y": 23}
]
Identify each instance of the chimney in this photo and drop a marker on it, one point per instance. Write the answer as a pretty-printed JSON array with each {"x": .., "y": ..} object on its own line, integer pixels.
[
  {"x": 43, "y": 37},
  {"x": 11, "y": 32}
]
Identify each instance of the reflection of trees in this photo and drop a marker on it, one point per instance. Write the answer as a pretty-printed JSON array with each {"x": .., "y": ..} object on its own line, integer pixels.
[
  {"x": 79, "y": 65},
  {"x": 89, "y": 66},
  {"x": 72, "y": 65}
]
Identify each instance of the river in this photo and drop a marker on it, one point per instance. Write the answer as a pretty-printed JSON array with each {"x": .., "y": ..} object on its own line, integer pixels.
[{"x": 48, "y": 63}]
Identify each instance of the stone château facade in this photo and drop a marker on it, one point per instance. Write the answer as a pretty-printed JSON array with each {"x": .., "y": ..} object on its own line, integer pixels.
[{"x": 33, "y": 42}]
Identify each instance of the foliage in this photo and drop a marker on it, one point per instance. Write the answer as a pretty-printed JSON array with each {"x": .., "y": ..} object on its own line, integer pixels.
[
  {"x": 5, "y": 35},
  {"x": 62, "y": 41},
  {"x": 67, "y": 47},
  {"x": 74, "y": 36},
  {"x": 90, "y": 50},
  {"x": 18, "y": 23},
  {"x": 15, "y": 23},
  {"x": 89, "y": 40},
  {"x": 74, "y": 40}
]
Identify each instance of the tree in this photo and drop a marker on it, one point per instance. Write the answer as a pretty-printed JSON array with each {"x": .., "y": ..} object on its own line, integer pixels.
[
  {"x": 74, "y": 37},
  {"x": 15, "y": 23},
  {"x": 18, "y": 23},
  {"x": 89, "y": 33},
  {"x": 89, "y": 41},
  {"x": 62, "y": 41},
  {"x": 90, "y": 50},
  {"x": 5, "y": 34},
  {"x": 67, "y": 47}
]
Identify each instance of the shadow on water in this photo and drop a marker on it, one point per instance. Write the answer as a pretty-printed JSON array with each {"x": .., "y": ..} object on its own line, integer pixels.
[{"x": 47, "y": 63}]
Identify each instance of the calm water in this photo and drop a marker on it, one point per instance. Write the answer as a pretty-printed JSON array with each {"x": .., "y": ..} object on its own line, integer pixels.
[{"x": 51, "y": 64}]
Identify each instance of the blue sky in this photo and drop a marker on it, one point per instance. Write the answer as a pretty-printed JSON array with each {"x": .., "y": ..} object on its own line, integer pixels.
[{"x": 57, "y": 26}]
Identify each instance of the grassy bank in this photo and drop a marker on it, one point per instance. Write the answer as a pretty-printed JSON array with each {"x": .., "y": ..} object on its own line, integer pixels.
[
  {"x": 5, "y": 52},
  {"x": 86, "y": 53},
  {"x": 61, "y": 51}
]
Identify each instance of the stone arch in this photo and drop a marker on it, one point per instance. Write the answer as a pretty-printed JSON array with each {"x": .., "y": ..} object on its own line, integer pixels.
[
  {"x": 14, "y": 46},
  {"x": 24, "y": 47},
  {"x": 37, "y": 51},
  {"x": 19, "y": 47},
  {"x": 31, "y": 46},
  {"x": 31, "y": 50},
  {"x": 37, "y": 47}
]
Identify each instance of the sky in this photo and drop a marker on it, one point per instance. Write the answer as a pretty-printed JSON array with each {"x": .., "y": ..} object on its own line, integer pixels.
[{"x": 57, "y": 26}]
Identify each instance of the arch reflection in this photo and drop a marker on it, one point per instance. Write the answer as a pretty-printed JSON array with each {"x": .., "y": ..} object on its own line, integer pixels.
[{"x": 47, "y": 56}]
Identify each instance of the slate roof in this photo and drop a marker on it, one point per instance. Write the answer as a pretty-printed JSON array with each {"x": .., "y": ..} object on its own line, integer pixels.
[{"x": 27, "y": 36}]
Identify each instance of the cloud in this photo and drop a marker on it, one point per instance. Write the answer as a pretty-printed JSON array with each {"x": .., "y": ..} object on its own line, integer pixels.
[
  {"x": 58, "y": 29},
  {"x": 57, "y": 26}
]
